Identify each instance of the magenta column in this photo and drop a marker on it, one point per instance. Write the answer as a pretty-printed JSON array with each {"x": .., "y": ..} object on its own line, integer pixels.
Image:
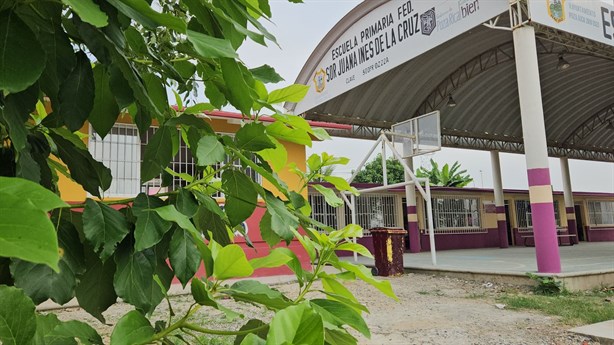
[
  {"x": 536, "y": 151},
  {"x": 499, "y": 200},
  {"x": 412, "y": 214},
  {"x": 570, "y": 211}
]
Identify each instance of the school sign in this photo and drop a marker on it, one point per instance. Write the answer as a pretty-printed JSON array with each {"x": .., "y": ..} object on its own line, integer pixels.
[
  {"x": 393, "y": 33},
  {"x": 592, "y": 19}
]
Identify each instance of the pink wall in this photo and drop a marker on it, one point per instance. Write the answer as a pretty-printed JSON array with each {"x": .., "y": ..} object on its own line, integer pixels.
[{"x": 599, "y": 235}]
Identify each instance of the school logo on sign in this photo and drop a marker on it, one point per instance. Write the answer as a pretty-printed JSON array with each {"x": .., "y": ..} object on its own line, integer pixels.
[
  {"x": 556, "y": 10},
  {"x": 428, "y": 22},
  {"x": 320, "y": 80}
]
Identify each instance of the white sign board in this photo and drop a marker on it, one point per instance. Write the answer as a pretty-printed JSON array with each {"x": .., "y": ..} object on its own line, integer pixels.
[
  {"x": 592, "y": 19},
  {"x": 391, "y": 34}
]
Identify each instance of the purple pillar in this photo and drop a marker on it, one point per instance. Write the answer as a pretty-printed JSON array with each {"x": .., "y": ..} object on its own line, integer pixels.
[{"x": 536, "y": 150}]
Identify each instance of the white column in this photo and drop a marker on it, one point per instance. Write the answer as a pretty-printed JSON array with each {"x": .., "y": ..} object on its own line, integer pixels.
[
  {"x": 499, "y": 199},
  {"x": 570, "y": 211},
  {"x": 536, "y": 152}
]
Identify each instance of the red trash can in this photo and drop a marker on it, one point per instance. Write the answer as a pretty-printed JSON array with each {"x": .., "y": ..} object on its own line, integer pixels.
[{"x": 388, "y": 249}]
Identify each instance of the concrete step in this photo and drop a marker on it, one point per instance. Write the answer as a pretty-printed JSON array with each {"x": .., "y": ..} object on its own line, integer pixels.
[{"x": 601, "y": 331}]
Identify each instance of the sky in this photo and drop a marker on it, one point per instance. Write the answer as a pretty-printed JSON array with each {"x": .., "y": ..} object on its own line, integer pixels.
[{"x": 300, "y": 27}]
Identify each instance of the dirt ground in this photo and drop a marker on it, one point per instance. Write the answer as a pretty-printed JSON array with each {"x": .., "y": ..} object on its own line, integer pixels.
[{"x": 431, "y": 310}]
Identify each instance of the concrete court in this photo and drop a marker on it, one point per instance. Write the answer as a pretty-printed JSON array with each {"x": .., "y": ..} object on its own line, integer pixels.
[{"x": 584, "y": 265}]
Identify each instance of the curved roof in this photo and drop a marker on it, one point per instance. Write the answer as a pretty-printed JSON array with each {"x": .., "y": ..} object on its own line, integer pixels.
[{"x": 478, "y": 69}]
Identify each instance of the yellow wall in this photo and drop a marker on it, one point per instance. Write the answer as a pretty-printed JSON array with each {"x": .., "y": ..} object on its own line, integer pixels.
[{"x": 72, "y": 192}]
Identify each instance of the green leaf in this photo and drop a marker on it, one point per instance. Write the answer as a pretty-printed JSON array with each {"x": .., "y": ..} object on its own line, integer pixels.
[
  {"x": 252, "y": 137},
  {"x": 209, "y": 151},
  {"x": 105, "y": 110},
  {"x": 132, "y": 328},
  {"x": 266, "y": 74},
  {"x": 207, "y": 221},
  {"x": 171, "y": 214},
  {"x": 210, "y": 47},
  {"x": 282, "y": 221},
  {"x": 329, "y": 195},
  {"x": 355, "y": 247},
  {"x": 297, "y": 324},
  {"x": 88, "y": 11},
  {"x": 89, "y": 173},
  {"x": 76, "y": 94},
  {"x": 340, "y": 314},
  {"x": 276, "y": 157},
  {"x": 186, "y": 203},
  {"x": 253, "y": 291},
  {"x": 41, "y": 198},
  {"x": 95, "y": 291},
  {"x": 256, "y": 338},
  {"x": 239, "y": 92},
  {"x": 350, "y": 230},
  {"x": 275, "y": 258},
  {"x": 198, "y": 108},
  {"x": 230, "y": 262},
  {"x": 22, "y": 59},
  {"x": 294, "y": 135},
  {"x": 365, "y": 274},
  {"x": 158, "y": 153},
  {"x": 142, "y": 12},
  {"x": 134, "y": 279},
  {"x": 184, "y": 256},
  {"x": 241, "y": 196},
  {"x": 292, "y": 93},
  {"x": 75, "y": 329},
  {"x": 267, "y": 233},
  {"x": 26, "y": 232},
  {"x": 17, "y": 317},
  {"x": 40, "y": 282},
  {"x": 337, "y": 337},
  {"x": 44, "y": 325},
  {"x": 104, "y": 227},
  {"x": 201, "y": 295},
  {"x": 149, "y": 227},
  {"x": 15, "y": 113},
  {"x": 332, "y": 285},
  {"x": 340, "y": 183},
  {"x": 156, "y": 91}
]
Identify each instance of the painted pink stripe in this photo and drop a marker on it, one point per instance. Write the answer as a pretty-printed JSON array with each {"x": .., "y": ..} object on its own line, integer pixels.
[
  {"x": 539, "y": 177},
  {"x": 546, "y": 244},
  {"x": 500, "y": 209},
  {"x": 411, "y": 209},
  {"x": 570, "y": 210}
]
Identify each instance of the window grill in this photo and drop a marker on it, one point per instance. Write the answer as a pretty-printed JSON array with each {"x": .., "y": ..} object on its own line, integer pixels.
[
  {"x": 456, "y": 215},
  {"x": 321, "y": 211},
  {"x": 524, "y": 221},
  {"x": 601, "y": 212},
  {"x": 374, "y": 211},
  {"x": 122, "y": 151}
]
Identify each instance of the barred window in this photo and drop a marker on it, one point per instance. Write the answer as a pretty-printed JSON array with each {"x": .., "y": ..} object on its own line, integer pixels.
[
  {"x": 122, "y": 151},
  {"x": 456, "y": 213},
  {"x": 601, "y": 212},
  {"x": 374, "y": 211},
  {"x": 321, "y": 211},
  {"x": 523, "y": 214}
]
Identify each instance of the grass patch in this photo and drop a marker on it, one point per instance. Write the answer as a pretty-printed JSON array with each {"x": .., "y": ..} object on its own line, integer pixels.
[{"x": 573, "y": 308}]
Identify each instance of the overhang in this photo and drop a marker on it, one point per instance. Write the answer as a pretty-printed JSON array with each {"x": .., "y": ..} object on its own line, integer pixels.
[{"x": 478, "y": 69}]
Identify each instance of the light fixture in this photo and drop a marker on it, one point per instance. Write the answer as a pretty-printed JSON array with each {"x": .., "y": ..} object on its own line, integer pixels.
[
  {"x": 563, "y": 64},
  {"x": 451, "y": 102}
]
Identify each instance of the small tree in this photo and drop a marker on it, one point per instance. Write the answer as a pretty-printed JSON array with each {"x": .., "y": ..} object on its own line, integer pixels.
[
  {"x": 446, "y": 177},
  {"x": 372, "y": 172}
]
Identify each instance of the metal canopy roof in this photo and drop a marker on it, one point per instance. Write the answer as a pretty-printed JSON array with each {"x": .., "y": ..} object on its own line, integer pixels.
[{"x": 478, "y": 69}]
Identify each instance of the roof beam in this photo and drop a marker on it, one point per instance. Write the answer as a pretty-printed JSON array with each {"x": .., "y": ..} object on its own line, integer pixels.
[{"x": 594, "y": 122}]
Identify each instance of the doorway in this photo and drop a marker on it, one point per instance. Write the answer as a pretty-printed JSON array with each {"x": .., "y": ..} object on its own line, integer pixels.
[
  {"x": 508, "y": 224},
  {"x": 579, "y": 222}
]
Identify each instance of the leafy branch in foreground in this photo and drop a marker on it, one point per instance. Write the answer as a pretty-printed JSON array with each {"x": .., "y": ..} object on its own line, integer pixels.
[{"x": 67, "y": 65}]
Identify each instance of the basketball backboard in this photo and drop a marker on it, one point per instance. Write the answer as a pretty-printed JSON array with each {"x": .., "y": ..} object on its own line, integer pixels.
[{"x": 418, "y": 135}]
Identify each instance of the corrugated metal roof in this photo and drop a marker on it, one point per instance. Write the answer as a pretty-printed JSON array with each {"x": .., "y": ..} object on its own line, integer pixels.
[{"x": 478, "y": 69}]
